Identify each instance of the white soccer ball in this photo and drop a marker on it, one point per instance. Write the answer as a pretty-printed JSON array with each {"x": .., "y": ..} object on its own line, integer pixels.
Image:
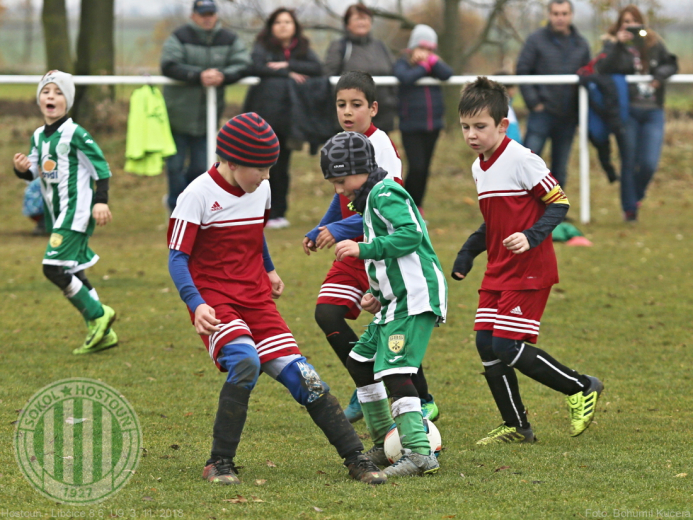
[{"x": 393, "y": 444}]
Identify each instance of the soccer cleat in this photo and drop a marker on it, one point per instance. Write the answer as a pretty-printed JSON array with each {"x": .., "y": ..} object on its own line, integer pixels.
[
  {"x": 353, "y": 412},
  {"x": 429, "y": 410},
  {"x": 581, "y": 406},
  {"x": 109, "y": 340},
  {"x": 413, "y": 464},
  {"x": 363, "y": 469},
  {"x": 97, "y": 329},
  {"x": 377, "y": 455},
  {"x": 277, "y": 223},
  {"x": 509, "y": 435},
  {"x": 221, "y": 471}
]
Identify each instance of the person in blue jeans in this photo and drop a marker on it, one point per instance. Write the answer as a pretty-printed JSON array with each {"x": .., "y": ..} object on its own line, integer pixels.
[
  {"x": 421, "y": 107},
  {"x": 632, "y": 48},
  {"x": 557, "y": 48}
]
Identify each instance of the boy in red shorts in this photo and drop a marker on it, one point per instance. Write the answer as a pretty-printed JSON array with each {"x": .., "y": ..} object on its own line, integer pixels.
[
  {"x": 222, "y": 269},
  {"x": 521, "y": 203}
]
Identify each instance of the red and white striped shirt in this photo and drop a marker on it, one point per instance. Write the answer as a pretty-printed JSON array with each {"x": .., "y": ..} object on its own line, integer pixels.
[
  {"x": 514, "y": 187},
  {"x": 220, "y": 227}
]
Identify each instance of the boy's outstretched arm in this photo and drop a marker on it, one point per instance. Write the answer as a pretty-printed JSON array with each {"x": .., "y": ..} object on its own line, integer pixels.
[
  {"x": 473, "y": 247},
  {"x": 333, "y": 214}
]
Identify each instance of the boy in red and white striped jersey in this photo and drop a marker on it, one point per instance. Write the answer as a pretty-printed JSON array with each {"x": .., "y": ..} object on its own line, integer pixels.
[
  {"x": 521, "y": 203},
  {"x": 221, "y": 266}
]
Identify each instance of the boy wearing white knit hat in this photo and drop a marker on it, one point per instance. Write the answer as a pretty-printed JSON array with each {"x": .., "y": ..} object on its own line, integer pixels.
[{"x": 74, "y": 183}]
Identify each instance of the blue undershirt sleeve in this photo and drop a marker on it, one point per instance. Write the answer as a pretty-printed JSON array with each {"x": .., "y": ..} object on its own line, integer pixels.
[
  {"x": 333, "y": 214},
  {"x": 266, "y": 258},
  {"x": 180, "y": 274},
  {"x": 347, "y": 229}
]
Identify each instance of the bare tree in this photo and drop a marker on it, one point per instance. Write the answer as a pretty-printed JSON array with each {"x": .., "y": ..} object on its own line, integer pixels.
[{"x": 56, "y": 36}]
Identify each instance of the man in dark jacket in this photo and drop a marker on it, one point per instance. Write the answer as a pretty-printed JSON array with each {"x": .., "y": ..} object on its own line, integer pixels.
[
  {"x": 200, "y": 54},
  {"x": 557, "y": 48}
]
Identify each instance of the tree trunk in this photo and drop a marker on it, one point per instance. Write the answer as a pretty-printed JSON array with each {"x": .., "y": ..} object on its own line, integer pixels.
[
  {"x": 56, "y": 36},
  {"x": 448, "y": 51},
  {"x": 95, "y": 56}
]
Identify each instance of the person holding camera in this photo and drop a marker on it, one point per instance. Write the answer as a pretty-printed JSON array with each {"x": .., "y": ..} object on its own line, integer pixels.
[{"x": 632, "y": 48}]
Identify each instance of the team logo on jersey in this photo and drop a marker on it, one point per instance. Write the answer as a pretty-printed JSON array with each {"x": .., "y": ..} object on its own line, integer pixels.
[
  {"x": 62, "y": 148},
  {"x": 56, "y": 240},
  {"x": 48, "y": 165},
  {"x": 395, "y": 342},
  {"x": 216, "y": 206}
]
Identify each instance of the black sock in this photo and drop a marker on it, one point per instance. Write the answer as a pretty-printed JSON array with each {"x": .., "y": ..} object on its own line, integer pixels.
[
  {"x": 505, "y": 389},
  {"x": 341, "y": 337},
  {"x": 419, "y": 380},
  {"x": 540, "y": 366},
  {"x": 228, "y": 425},
  {"x": 329, "y": 416}
]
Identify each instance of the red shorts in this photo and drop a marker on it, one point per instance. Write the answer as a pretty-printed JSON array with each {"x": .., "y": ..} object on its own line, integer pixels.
[
  {"x": 512, "y": 314},
  {"x": 345, "y": 284},
  {"x": 268, "y": 329}
]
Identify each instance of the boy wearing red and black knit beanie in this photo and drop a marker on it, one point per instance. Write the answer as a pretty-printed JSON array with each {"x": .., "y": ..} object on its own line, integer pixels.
[{"x": 220, "y": 264}]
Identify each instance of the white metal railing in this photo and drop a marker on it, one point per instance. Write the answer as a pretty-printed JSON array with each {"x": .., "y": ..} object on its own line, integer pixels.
[{"x": 212, "y": 123}]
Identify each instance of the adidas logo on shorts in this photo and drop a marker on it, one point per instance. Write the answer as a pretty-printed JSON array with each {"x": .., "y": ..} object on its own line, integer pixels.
[{"x": 517, "y": 311}]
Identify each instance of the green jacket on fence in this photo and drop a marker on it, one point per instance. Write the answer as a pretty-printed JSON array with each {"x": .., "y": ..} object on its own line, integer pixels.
[
  {"x": 188, "y": 52},
  {"x": 149, "y": 137}
]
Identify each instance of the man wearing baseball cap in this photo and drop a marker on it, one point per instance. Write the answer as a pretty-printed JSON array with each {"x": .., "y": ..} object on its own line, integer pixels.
[{"x": 199, "y": 54}]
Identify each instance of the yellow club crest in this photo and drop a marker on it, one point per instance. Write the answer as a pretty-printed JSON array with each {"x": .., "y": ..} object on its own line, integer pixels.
[
  {"x": 56, "y": 240},
  {"x": 395, "y": 342}
]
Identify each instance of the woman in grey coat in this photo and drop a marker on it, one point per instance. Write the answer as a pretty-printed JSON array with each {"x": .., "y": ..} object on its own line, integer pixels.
[{"x": 358, "y": 50}]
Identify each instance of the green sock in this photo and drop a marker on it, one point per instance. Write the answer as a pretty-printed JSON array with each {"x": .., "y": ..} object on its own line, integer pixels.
[
  {"x": 412, "y": 432},
  {"x": 378, "y": 419},
  {"x": 88, "y": 306}
]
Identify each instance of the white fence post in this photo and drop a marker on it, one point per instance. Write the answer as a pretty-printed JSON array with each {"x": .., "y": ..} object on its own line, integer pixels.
[
  {"x": 211, "y": 125},
  {"x": 584, "y": 156}
]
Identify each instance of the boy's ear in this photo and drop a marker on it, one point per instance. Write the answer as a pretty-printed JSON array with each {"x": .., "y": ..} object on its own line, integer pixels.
[
  {"x": 503, "y": 125},
  {"x": 374, "y": 109}
]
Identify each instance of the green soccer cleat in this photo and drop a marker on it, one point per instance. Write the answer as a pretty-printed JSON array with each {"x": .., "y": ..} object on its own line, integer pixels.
[
  {"x": 377, "y": 455},
  {"x": 109, "y": 340},
  {"x": 221, "y": 471},
  {"x": 508, "y": 435},
  {"x": 353, "y": 412},
  {"x": 583, "y": 405},
  {"x": 98, "y": 328},
  {"x": 429, "y": 410},
  {"x": 363, "y": 469}
]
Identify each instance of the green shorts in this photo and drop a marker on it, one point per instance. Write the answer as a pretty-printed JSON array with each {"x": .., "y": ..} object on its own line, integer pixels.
[
  {"x": 397, "y": 347},
  {"x": 69, "y": 249}
]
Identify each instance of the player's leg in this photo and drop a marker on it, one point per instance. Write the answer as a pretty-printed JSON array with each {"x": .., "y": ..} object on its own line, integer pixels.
[
  {"x": 110, "y": 338},
  {"x": 309, "y": 390},
  {"x": 239, "y": 358},
  {"x": 281, "y": 359},
  {"x": 429, "y": 408},
  {"x": 516, "y": 326},
  {"x": 402, "y": 345},
  {"x": 279, "y": 184},
  {"x": 340, "y": 300}
]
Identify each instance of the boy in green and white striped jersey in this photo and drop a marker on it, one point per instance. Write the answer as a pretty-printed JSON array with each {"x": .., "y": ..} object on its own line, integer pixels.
[
  {"x": 407, "y": 295},
  {"x": 74, "y": 183}
]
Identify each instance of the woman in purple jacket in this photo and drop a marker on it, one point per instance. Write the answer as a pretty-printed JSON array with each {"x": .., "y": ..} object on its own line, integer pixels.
[{"x": 421, "y": 108}]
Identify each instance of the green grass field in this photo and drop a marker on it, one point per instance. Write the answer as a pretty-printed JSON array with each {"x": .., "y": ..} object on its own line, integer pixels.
[{"x": 622, "y": 312}]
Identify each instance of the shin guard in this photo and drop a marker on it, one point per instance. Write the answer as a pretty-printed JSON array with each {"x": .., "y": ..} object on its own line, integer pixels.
[
  {"x": 328, "y": 415},
  {"x": 230, "y": 420}
]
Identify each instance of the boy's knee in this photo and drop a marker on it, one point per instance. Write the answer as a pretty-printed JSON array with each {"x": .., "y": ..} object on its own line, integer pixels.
[
  {"x": 484, "y": 344},
  {"x": 302, "y": 380},
  {"x": 360, "y": 372},
  {"x": 242, "y": 362},
  {"x": 330, "y": 317},
  {"x": 57, "y": 275},
  {"x": 506, "y": 349},
  {"x": 400, "y": 386}
]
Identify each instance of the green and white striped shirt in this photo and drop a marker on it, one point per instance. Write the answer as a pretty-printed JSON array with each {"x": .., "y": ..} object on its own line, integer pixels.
[
  {"x": 404, "y": 271},
  {"x": 68, "y": 162}
]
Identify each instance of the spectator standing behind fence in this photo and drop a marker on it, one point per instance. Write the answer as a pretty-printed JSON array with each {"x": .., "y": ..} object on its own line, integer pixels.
[
  {"x": 421, "y": 107},
  {"x": 557, "y": 48},
  {"x": 632, "y": 48},
  {"x": 281, "y": 55},
  {"x": 200, "y": 54},
  {"x": 358, "y": 50}
]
